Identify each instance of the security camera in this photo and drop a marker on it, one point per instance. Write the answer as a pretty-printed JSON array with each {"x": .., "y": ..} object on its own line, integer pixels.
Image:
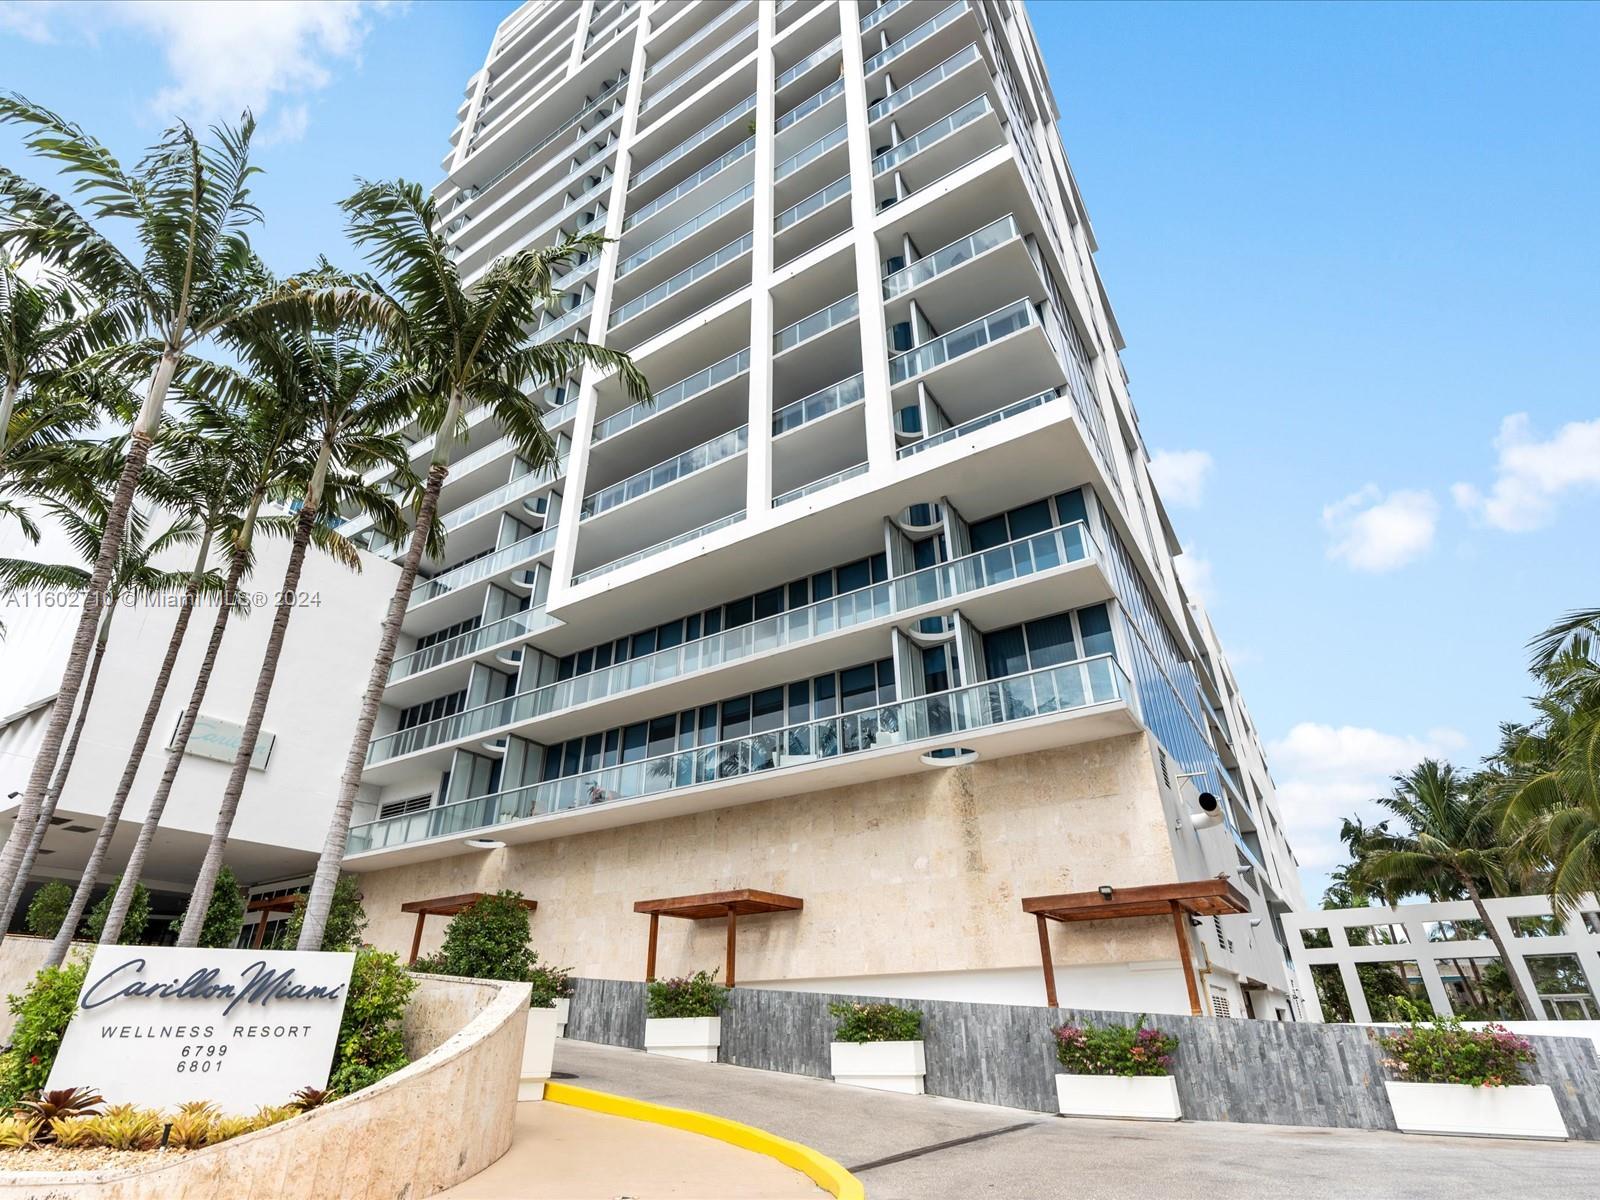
[{"x": 1210, "y": 814}]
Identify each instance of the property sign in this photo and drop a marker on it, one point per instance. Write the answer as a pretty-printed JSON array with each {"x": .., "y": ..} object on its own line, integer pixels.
[
  {"x": 212, "y": 737},
  {"x": 160, "y": 1025}
]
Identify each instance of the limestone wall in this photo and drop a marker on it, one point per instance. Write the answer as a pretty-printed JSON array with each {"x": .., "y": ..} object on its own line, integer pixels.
[
  {"x": 21, "y": 956},
  {"x": 919, "y": 873},
  {"x": 443, "y": 1119}
]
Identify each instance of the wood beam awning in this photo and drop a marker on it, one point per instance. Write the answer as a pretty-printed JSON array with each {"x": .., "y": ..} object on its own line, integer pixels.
[
  {"x": 707, "y": 906},
  {"x": 266, "y": 906},
  {"x": 1180, "y": 901},
  {"x": 445, "y": 906}
]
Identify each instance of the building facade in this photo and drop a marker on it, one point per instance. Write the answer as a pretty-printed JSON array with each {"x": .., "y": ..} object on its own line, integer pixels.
[{"x": 874, "y": 604}]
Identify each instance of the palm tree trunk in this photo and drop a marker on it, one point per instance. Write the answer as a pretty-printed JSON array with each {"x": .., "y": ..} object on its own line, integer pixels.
[
  {"x": 206, "y": 881},
  {"x": 1530, "y": 1011},
  {"x": 320, "y": 900},
  {"x": 48, "y": 809},
  {"x": 108, "y": 827},
  {"x": 44, "y": 763},
  {"x": 197, "y": 695}
]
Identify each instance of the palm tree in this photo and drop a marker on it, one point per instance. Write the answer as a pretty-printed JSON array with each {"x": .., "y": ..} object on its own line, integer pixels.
[
  {"x": 265, "y": 463},
  {"x": 1561, "y": 637},
  {"x": 136, "y": 577},
  {"x": 473, "y": 347},
  {"x": 350, "y": 402},
  {"x": 187, "y": 207},
  {"x": 1450, "y": 846}
]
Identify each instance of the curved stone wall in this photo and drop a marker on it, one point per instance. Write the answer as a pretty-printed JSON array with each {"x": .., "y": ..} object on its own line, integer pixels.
[{"x": 443, "y": 1119}]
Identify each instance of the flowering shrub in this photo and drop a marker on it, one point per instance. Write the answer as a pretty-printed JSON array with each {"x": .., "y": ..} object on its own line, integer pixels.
[
  {"x": 1444, "y": 1052},
  {"x": 1115, "y": 1049},
  {"x": 876, "y": 1023},
  {"x": 697, "y": 995}
]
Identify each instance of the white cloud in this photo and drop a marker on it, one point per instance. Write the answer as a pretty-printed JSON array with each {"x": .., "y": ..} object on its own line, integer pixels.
[
  {"x": 222, "y": 57},
  {"x": 1531, "y": 476},
  {"x": 28, "y": 19},
  {"x": 1374, "y": 532},
  {"x": 1198, "y": 577},
  {"x": 1181, "y": 476},
  {"x": 1325, "y": 773}
]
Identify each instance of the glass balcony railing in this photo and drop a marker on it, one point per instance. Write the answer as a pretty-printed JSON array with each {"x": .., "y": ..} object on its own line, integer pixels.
[
  {"x": 937, "y": 132},
  {"x": 674, "y": 395},
  {"x": 660, "y": 547},
  {"x": 687, "y": 230},
  {"x": 501, "y": 496},
  {"x": 925, "y": 82},
  {"x": 880, "y": 601},
  {"x": 811, "y": 325},
  {"x": 819, "y": 404},
  {"x": 882, "y": 13},
  {"x": 966, "y": 427},
  {"x": 948, "y": 257},
  {"x": 958, "y": 342},
  {"x": 943, "y": 716},
  {"x": 718, "y": 57},
  {"x": 683, "y": 188},
  {"x": 684, "y": 278},
  {"x": 718, "y": 449},
  {"x": 815, "y": 202},
  {"x": 917, "y": 36},
  {"x": 560, "y": 414},
  {"x": 561, "y": 324},
  {"x": 817, "y": 485},
  {"x": 604, "y": 97},
  {"x": 820, "y": 55},
  {"x": 482, "y": 568},
  {"x": 694, "y": 39},
  {"x": 811, "y": 153},
  {"x": 506, "y": 629},
  {"x": 741, "y": 111},
  {"x": 809, "y": 105}
]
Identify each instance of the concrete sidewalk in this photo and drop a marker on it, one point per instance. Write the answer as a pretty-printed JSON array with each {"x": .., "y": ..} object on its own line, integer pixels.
[
  {"x": 928, "y": 1148},
  {"x": 564, "y": 1153}
]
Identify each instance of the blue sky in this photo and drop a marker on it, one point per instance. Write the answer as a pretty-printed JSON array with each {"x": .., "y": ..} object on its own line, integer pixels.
[{"x": 1347, "y": 244}]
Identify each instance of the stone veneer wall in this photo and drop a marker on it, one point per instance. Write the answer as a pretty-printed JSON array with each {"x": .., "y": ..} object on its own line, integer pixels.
[
  {"x": 918, "y": 873},
  {"x": 21, "y": 956},
  {"x": 426, "y": 1128},
  {"x": 1260, "y": 1072}
]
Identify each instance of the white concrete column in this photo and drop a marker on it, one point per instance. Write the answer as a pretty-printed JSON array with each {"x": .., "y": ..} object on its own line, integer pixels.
[
  {"x": 869, "y": 286},
  {"x": 566, "y": 550},
  {"x": 758, "y": 459}
]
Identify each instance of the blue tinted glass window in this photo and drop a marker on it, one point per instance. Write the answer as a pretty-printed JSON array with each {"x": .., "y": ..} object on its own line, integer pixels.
[
  {"x": 989, "y": 533},
  {"x": 1095, "y": 622},
  {"x": 858, "y": 688},
  {"x": 736, "y": 717},
  {"x": 739, "y": 612},
  {"x": 855, "y": 575},
  {"x": 1070, "y": 506},
  {"x": 634, "y": 740},
  {"x": 1050, "y": 641},
  {"x": 1030, "y": 519},
  {"x": 1005, "y": 652}
]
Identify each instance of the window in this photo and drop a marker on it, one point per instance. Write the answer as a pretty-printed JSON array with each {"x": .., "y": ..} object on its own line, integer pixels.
[
  {"x": 1465, "y": 930},
  {"x": 1536, "y": 926},
  {"x": 1316, "y": 939}
]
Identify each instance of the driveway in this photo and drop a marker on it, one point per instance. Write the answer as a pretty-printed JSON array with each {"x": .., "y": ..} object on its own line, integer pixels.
[{"x": 924, "y": 1147}]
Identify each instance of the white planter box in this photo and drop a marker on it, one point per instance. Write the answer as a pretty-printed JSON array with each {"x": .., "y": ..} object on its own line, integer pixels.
[
  {"x": 1135, "y": 1098},
  {"x": 694, "y": 1038},
  {"x": 1525, "y": 1111},
  {"x": 538, "y": 1052},
  {"x": 563, "y": 1007},
  {"x": 886, "y": 1066}
]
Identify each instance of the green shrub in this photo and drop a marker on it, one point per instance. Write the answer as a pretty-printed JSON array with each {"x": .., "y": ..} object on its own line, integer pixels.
[
  {"x": 42, "y": 1014},
  {"x": 347, "y": 920},
  {"x": 224, "y": 915},
  {"x": 1115, "y": 1049},
  {"x": 549, "y": 985},
  {"x": 1441, "y": 1051},
  {"x": 138, "y": 914},
  {"x": 876, "y": 1023},
  {"x": 49, "y": 909},
  {"x": 370, "y": 1045},
  {"x": 697, "y": 995},
  {"x": 488, "y": 940}
]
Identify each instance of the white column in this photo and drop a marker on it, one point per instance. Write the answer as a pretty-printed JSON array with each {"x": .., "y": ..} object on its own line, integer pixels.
[
  {"x": 758, "y": 459},
  {"x": 879, "y": 412}
]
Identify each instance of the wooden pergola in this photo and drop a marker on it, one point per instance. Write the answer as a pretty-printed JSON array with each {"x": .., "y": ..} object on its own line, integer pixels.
[
  {"x": 707, "y": 906},
  {"x": 266, "y": 906},
  {"x": 444, "y": 906},
  {"x": 1180, "y": 901}
]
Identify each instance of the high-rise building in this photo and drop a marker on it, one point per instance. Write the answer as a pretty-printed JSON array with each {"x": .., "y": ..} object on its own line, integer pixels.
[{"x": 874, "y": 604}]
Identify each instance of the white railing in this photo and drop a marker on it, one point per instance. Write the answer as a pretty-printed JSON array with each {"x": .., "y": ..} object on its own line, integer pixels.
[
  {"x": 948, "y": 257},
  {"x": 819, "y": 404},
  {"x": 683, "y": 188},
  {"x": 944, "y": 127},
  {"x": 958, "y": 342},
  {"x": 977, "y": 423},
  {"x": 819, "y": 322},
  {"x": 687, "y": 230},
  {"x": 967, "y": 55},
  {"x": 816, "y": 202},
  {"x": 687, "y": 388},
  {"x": 720, "y": 448},
  {"x": 684, "y": 278},
  {"x": 659, "y": 547},
  {"x": 817, "y": 485}
]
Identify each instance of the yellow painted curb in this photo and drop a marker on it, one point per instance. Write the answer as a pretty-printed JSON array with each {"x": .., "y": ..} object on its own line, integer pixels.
[{"x": 822, "y": 1170}]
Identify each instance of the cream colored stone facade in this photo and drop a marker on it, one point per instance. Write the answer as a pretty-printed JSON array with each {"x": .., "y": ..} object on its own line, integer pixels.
[{"x": 919, "y": 873}]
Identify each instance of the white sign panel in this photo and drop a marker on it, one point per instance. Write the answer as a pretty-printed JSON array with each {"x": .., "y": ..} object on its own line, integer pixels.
[
  {"x": 212, "y": 737},
  {"x": 160, "y": 1025}
]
